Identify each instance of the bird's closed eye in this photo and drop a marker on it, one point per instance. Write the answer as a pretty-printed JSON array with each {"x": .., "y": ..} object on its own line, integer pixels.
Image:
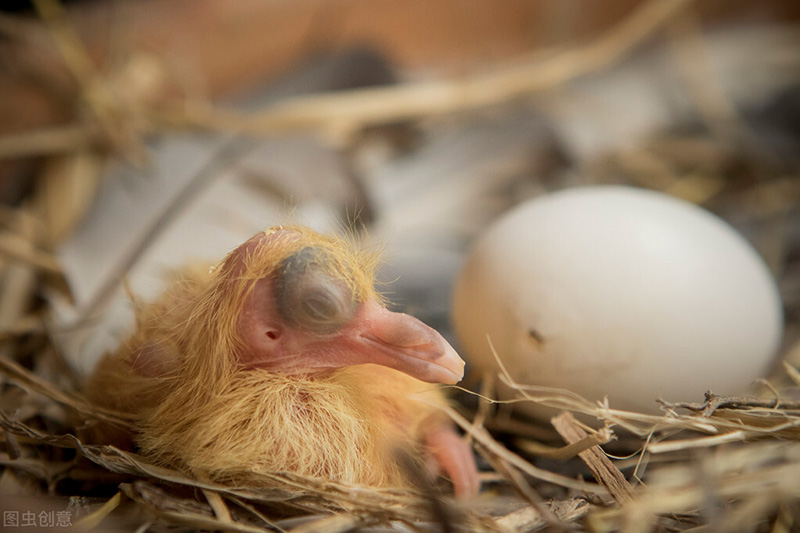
[
  {"x": 321, "y": 305},
  {"x": 309, "y": 297}
]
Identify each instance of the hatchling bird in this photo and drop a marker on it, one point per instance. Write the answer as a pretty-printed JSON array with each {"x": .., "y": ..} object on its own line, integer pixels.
[{"x": 283, "y": 358}]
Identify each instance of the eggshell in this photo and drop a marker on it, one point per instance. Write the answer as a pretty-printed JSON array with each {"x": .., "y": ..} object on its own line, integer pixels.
[{"x": 618, "y": 292}]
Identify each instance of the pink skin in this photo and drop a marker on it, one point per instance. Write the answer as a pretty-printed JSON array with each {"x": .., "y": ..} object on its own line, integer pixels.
[
  {"x": 374, "y": 335},
  {"x": 452, "y": 454}
]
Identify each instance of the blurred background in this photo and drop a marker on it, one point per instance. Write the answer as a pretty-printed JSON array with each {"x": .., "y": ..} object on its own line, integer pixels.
[{"x": 137, "y": 136}]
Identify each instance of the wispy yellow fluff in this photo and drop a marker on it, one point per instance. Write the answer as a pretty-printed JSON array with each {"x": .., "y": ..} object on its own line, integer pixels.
[{"x": 199, "y": 410}]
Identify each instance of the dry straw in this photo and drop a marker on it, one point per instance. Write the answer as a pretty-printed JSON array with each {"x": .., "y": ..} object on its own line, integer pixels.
[{"x": 722, "y": 464}]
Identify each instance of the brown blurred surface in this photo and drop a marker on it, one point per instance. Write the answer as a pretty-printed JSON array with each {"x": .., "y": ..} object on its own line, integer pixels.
[
  {"x": 234, "y": 44},
  {"x": 211, "y": 49}
]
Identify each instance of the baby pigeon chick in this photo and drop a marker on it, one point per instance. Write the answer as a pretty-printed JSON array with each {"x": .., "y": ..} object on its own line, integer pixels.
[{"x": 283, "y": 358}]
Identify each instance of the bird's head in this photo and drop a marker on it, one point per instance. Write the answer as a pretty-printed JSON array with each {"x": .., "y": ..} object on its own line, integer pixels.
[{"x": 305, "y": 303}]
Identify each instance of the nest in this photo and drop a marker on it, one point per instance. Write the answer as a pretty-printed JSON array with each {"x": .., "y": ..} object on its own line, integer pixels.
[{"x": 723, "y": 463}]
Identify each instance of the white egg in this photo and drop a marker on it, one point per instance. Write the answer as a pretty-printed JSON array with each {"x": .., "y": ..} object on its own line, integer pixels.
[{"x": 619, "y": 292}]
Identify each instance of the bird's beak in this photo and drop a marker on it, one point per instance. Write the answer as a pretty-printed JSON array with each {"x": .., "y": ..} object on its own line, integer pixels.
[{"x": 404, "y": 343}]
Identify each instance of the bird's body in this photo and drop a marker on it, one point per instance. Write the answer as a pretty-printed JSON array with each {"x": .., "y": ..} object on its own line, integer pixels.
[{"x": 282, "y": 359}]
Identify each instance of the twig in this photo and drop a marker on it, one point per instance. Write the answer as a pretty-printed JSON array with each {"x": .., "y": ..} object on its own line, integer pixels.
[
  {"x": 69, "y": 44},
  {"x": 26, "y": 325},
  {"x": 601, "y": 466},
  {"x": 482, "y": 436},
  {"x": 702, "y": 442},
  {"x": 714, "y": 402},
  {"x": 345, "y": 112},
  {"x": 528, "y": 518},
  {"x": 55, "y": 140},
  {"x": 21, "y": 249},
  {"x": 107, "y": 109},
  {"x": 93, "y": 520},
  {"x": 255, "y": 512},
  {"x": 33, "y": 382},
  {"x": 340, "y": 114},
  {"x": 570, "y": 450},
  {"x": 791, "y": 371},
  {"x": 524, "y": 489},
  {"x": 337, "y": 523},
  {"x": 186, "y": 517},
  {"x": 218, "y": 505}
]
